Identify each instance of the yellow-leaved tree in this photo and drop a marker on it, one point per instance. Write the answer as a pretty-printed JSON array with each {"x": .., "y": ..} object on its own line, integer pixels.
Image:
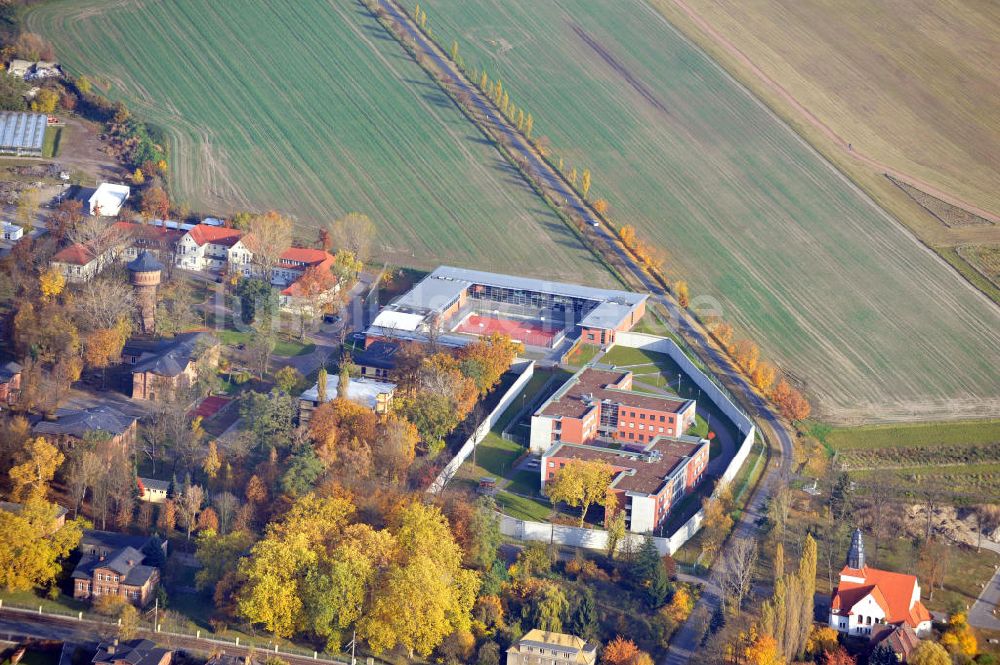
[
  {"x": 32, "y": 542},
  {"x": 425, "y": 595},
  {"x": 315, "y": 571},
  {"x": 51, "y": 282},
  {"x": 31, "y": 548},
  {"x": 580, "y": 484},
  {"x": 38, "y": 463}
]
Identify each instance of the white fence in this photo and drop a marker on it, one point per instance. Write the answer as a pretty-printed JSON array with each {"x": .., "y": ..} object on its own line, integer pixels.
[
  {"x": 525, "y": 369},
  {"x": 560, "y": 534},
  {"x": 598, "y": 539}
]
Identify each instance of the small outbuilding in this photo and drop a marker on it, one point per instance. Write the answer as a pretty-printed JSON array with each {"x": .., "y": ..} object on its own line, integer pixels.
[
  {"x": 108, "y": 199},
  {"x": 12, "y": 231}
]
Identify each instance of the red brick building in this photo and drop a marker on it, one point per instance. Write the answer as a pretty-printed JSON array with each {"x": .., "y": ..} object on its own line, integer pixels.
[
  {"x": 601, "y": 405},
  {"x": 113, "y": 564},
  {"x": 649, "y": 480}
]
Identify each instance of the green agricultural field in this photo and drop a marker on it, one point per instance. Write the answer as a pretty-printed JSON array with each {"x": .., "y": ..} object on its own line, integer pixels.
[
  {"x": 870, "y": 322},
  {"x": 916, "y": 435},
  {"x": 962, "y": 457},
  {"x": 311, "y": 109}
]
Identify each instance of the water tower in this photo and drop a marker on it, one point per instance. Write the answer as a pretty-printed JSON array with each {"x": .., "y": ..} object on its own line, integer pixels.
[{"x": 144, "y": 275}]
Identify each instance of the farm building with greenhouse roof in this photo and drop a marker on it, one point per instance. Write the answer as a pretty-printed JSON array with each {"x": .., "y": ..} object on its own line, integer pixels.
[{"x": 22, "y": 133}]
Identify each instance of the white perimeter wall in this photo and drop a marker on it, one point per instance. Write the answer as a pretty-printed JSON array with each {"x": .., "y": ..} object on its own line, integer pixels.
[
  {"x": 527, "y": 370},
  {"x": 598, "y": 539}
]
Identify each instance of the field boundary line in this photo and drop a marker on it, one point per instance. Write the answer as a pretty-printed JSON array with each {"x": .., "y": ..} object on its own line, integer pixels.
[
  {"x": 815, "y": 121},
  {"x": 869, "y": 197}
]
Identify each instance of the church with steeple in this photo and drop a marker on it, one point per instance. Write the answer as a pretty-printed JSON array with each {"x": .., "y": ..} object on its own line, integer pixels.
[{"x": 868, "y": 598}]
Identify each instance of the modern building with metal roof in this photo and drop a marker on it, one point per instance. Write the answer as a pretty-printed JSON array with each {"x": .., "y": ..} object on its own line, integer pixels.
[
  {"x": 446, "y": 296},
  {"x": 22, "y": 133}
]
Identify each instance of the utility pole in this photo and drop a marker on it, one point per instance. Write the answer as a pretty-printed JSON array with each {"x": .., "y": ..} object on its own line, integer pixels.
[
  {"x": 156, "y": 614},
  {"x": 354, "y": 641}
]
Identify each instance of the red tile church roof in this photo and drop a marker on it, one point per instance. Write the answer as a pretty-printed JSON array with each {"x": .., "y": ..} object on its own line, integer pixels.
[{"x": 892, "y": 591}]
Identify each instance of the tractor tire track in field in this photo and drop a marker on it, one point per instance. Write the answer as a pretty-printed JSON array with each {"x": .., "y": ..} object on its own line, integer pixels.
[
  {"x": 619, "y": 68},
  {"x": 827, "y": 131}
]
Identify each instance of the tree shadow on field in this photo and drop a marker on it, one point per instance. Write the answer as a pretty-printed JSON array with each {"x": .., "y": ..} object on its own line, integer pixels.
[
  {"x": 421, "y": 83},
  {"x": 438, "y": 100},
  {"x": 377, "y": 32},
  {"x": 478, "y": 138}
]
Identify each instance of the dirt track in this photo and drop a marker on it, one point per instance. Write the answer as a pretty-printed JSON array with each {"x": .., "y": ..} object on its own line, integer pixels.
[{"x": 809, "y": 117}]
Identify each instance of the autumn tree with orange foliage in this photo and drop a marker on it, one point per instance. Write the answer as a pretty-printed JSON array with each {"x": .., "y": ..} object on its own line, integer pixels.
[
  {"x": 790, "y": 401},
  {"x": 753, "y": 647},
  {"x": 338, "y": 424},
  {"x": 746, "y": 354},
  {"x": 724, "y": 333},
  {"x": 155, "y": 204},
  {"x": 620, "y": 651},
  {"x": 485, "y": 360},
  {"x": 601, "y": 206},
  {"x": 208, "y": 520},
  {"x": 683, "y": 298},
  {"x": 627, "y": 234},
  {"x": 838, "y": 656},
  {"x": 763, "y": 375},
  {"x": 395, "y": 447}
]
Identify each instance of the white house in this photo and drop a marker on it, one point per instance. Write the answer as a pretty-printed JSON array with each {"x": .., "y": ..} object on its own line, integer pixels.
[
  {"x": 206, "y": 247},
  {"x": 12, "y": 231},
  {"x": 152, "y": 490},
  {"x": 868, "y": 598},
  {"x": 108, "y": 199}
]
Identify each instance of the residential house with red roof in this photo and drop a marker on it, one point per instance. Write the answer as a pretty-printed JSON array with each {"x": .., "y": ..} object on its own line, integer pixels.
[
  {"x": 218, "y": 249},
  {"x": 868, "y": 598},
  {"x": 124, "y": 240},
  {"x": 79, "y": 263},
  {"x": 206, "y": 247}
]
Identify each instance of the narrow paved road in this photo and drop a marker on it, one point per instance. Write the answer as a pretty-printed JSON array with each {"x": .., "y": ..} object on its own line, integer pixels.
[
  {"x": 687, "y": 639},
  {"x": 982, "y": 613}
]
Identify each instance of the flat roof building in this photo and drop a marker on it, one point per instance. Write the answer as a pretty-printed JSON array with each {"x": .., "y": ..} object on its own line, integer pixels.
[
  {"x": 648, "y": 480},
  {"x": 375, "y": 395},
  {"x": 22, "y": 133},
  {"x": 108, "y": 199},
  {"x": 445, "y": 297},
  {"x": 599, "y": 405}
]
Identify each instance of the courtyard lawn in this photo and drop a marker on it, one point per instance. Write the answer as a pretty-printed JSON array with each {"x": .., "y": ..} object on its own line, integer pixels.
[
  {"x": 523, "y": 508},
  {"x": 495, "y": 457},
  {"x": 660, "y": 370}
]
